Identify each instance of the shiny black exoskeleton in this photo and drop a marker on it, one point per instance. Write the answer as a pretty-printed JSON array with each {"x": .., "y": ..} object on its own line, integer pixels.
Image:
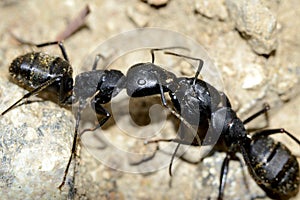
[
  {"x": 39, "y": 72},
  {"x": 270, "y": 163},
  {"x": 45, "y": 67},
  {"x": 193, "y": 99},
  {"x": 199, "y": 104}
]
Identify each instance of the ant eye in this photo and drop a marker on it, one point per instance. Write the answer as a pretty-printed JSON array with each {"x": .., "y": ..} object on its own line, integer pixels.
[{"x": 141, "y": 82}]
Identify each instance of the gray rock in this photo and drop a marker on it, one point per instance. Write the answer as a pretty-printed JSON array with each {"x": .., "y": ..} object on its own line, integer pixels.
[
  {"x": 212, "y": 8},
  {"x": 256, "y": 23},
  {"x": 35, "y": 141}
]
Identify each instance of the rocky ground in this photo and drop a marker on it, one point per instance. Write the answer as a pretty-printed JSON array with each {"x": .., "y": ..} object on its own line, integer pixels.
[{"x": 254, "y": 46}]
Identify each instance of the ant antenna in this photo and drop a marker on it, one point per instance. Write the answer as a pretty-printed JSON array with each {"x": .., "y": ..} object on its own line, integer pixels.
[
  {"x": 166, "y": 48},
  {"x": 201, "y": 62}
]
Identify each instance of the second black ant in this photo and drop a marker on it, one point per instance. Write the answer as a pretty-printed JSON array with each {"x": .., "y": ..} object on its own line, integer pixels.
[{"x": 271, "y": 164}]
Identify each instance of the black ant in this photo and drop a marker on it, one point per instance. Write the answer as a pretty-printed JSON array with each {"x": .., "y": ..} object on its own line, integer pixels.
[
  {"x": 42, "y": 72},
  {"x": 194, "y": 99},
  {"x": 270, "y": 163},
  {"x": 146, "y": 79}
]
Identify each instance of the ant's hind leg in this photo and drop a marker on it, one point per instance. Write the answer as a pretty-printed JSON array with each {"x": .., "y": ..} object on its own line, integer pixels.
[
  {"x": 33, "y": 92},
  {"x": 264, "y": 110},
  {"x": 274, "y": 131},
  {"x": 224, "y": 173},
  {"x": 59, "y": 43},
  {"x": 175, "y": 140}
]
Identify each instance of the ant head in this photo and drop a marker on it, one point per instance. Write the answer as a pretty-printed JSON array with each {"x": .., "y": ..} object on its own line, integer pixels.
[
  {"x": 145, "y": 79},
  {"x": 107, "y": 83}
]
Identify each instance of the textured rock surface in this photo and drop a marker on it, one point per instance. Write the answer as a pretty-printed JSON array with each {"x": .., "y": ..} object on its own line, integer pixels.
[
  {"x": 256, "y": 23},
  {"x": 212, "y": 9},
  {"x": 35, "y": 145}
]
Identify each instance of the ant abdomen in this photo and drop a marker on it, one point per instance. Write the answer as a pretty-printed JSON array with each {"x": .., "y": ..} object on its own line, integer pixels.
[
  {"x": 276, "y": 167},
  {"x": 35, "y": 68}
]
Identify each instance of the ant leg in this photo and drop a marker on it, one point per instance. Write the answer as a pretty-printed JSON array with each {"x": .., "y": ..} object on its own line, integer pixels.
[
  {"x": 165, "y": 48},
  {"x": 59, "y": 43},
  {"x": 223, "y": 176},
  {"x": 274, "y": 131},
  {"x": 177, "y": 147},
  {"x": 175, "y": 140},
  {"x": 73, "y": 26},
  {"x": 172, "y": 159},
  {"x": 243, "y": 172},
  {"x": 224, "y": 172},
  {"x": 200, "y": 65},
  {"x": 100, "y": 110},
  {"x": 162, "y": 95},
  {"x": 262, "y": 111},
  {"x": 179, "y": 141},
  {"x": 74, "y": 145},
  {"x": 34, "y": 92},
  {"x": 164, "y": 103}
]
